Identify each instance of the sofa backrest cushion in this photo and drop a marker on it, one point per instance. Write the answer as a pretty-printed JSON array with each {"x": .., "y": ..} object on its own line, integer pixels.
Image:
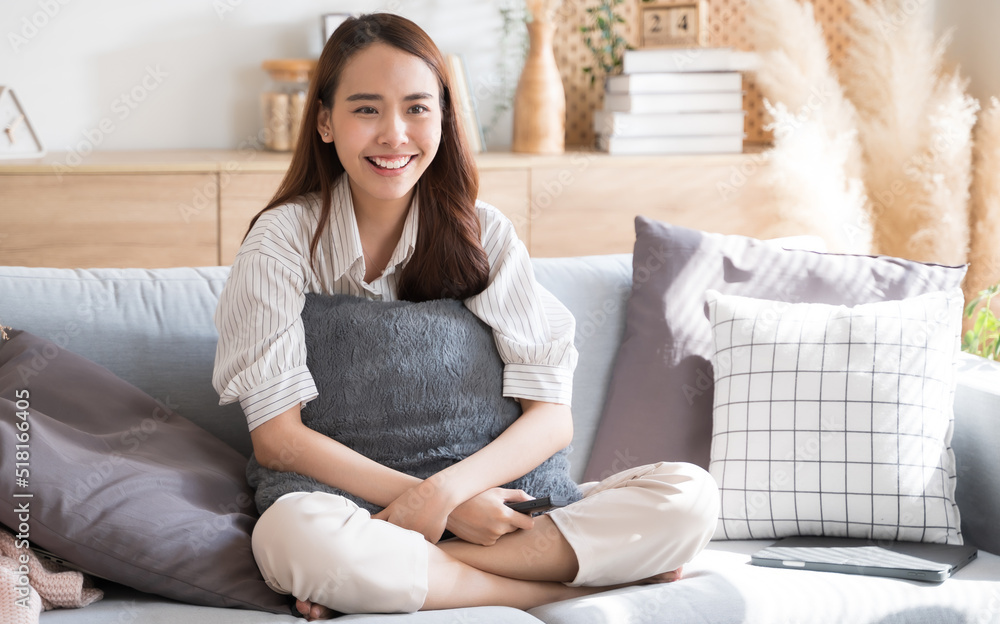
[
  {"x": 151, "y": 327},
  {"x": 154, "y": 328},
  {"x": 595, "y": 289}
]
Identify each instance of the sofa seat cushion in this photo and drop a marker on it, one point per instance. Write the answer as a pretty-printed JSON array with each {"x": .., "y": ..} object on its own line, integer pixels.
[
  {"x": 721, "y": 587},
  {"x": 124, "y": 604}
]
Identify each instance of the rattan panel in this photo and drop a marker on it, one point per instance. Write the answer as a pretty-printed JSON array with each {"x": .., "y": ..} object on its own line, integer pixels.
[{"x": 726, "y": 25}]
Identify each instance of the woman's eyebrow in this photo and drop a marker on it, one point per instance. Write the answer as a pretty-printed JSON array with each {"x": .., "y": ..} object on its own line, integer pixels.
[{"x": 378, "y": 98}]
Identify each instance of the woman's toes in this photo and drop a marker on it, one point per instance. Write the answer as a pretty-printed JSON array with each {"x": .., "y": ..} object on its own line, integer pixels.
[
  {"x": 313, "y": 611},
  {"x": 302, "y": 606},
  {"x": 666, "y": 577}
]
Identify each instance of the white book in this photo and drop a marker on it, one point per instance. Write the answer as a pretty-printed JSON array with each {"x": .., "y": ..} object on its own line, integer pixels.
[
  {"x": 667, "y": 124},
  {"x": 724, "y": 144},
  {"x": 465, "y": 103},
  {"x": 731, "y": 101},
  {"x": 687, "y": 60},
  {"x": 675, "y": 82}
]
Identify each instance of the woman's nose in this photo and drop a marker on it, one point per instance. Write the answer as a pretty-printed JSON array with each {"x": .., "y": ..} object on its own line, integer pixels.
[{"x": 393, "y": 131}]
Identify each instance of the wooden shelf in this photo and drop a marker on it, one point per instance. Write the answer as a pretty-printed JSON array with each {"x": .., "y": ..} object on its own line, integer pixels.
[{"x": 192, "y": 207}]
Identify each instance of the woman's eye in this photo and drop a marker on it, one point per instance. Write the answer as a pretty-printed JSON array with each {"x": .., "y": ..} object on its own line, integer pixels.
[
  {"x": 366, "y": 110},
  {"x": 418, "y": 108}
]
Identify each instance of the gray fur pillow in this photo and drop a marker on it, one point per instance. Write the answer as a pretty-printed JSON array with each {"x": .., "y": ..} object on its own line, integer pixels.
[{"x": 413, "y": 386}]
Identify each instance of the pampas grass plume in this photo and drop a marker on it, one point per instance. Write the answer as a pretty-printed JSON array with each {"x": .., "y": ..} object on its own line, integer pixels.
[
  {"x": 816, "y": 157},
  {"x": 915, "y": 126},
  {"x": 984, "y": 247}
]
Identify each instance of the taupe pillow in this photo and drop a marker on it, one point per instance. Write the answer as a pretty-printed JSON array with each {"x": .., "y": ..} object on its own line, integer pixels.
[
  {"x": 659, "y": 404},
  {"x": 120, "y": 485}
]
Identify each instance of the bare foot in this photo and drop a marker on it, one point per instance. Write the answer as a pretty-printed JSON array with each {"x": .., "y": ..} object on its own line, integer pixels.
[
  {"x": 313, "y": 611},
  {"x": 666, "y": 577}
]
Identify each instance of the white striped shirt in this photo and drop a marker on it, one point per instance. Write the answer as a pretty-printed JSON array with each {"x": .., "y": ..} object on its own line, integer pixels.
[{"x": 260, "y": 359}]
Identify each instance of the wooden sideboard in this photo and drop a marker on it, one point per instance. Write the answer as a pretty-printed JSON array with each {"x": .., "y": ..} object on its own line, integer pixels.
[{"x": 192, "y": 207}]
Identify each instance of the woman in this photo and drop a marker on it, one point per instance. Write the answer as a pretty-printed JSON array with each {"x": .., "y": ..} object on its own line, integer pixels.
[{"x": 380, "y": 202}]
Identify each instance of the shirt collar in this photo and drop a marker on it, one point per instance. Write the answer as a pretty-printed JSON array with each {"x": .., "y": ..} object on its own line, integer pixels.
[{"x": 347, "y": 252}]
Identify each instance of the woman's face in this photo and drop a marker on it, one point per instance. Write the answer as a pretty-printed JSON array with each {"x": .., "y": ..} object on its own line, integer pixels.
[{"x": 385, "y": 122}]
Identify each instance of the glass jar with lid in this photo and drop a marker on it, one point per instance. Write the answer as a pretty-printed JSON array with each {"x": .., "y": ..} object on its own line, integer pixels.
[{"x": 283, "y": 101}]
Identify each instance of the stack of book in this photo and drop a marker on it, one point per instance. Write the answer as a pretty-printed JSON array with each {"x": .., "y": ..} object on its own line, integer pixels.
[{"x": 680, "y": 101}]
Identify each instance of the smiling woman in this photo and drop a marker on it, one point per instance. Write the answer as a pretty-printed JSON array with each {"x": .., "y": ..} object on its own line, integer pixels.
[
  {"x": 385, "y": 122},
  {"x": 381, "y": 93},
  {"x": 380, "y": 202}
]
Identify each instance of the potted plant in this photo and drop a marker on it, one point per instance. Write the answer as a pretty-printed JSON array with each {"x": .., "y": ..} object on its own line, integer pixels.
[
  {"x": 603, "y": 39},
  {"x": 984, "y": 337}
]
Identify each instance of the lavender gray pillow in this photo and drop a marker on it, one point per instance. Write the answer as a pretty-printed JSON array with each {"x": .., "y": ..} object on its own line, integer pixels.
[
  {"x": 120, "y": 485},
  {"x": 659, "y": 403}
]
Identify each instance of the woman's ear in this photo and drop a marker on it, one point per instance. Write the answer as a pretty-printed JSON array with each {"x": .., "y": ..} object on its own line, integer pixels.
[{"x": 323, "y": 124}]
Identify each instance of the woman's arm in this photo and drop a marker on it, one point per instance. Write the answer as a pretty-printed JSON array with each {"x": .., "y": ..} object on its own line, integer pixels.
[
  {"x": 464, "y": 496},
  {"x": 541, "y": 431},
  {"x": 284, "y": 443}
]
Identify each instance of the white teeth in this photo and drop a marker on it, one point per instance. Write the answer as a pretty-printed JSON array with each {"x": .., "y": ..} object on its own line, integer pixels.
[{"x": 391, "y": 164}]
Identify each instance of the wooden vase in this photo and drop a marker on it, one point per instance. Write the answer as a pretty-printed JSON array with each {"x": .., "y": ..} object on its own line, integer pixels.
[{"x": 540, "y": 101}]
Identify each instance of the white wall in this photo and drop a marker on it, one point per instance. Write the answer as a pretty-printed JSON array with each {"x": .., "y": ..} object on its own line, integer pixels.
[
  {"x": 145, "y": 74},
  {"x": 71, "y": 61},
  {"x": 975, "y": 46}
]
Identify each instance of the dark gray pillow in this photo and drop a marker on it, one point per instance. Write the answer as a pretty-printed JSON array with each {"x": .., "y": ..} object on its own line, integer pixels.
[
  {"x": 414, "y": 386},
  {"x": 120, "y": 485},
  {"x": 659, "y": 403}
]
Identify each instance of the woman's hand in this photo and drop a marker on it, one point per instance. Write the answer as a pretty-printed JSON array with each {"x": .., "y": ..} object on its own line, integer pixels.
[
  {"x": 484, "y": 518},
  {"x": 422, "y": 508}
]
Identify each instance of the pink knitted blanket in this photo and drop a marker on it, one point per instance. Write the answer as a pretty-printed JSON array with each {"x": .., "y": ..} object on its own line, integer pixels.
[{"x": 29, "y": 585}]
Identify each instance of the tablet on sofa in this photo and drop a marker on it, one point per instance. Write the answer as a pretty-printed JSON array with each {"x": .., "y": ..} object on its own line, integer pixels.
[{"x": 907, "y": 560}]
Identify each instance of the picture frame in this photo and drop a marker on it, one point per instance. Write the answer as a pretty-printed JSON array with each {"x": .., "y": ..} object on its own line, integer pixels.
[
  {"x": 331, "y": 21},
  {"x": 673, "y": 23},
  {"x": 18, "y": 138}
]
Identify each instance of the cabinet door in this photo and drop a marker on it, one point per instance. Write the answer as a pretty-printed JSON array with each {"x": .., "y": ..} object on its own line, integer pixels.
[
  {"x": 109, "y": 220},
  {"x": 241, "y": 196},
  {"x": 507, "y": 189},
  {"x": 588, "y": 205}
]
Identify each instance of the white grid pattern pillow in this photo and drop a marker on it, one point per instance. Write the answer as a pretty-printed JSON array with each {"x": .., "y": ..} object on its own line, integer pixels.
[{"x": 835, "y": 421}]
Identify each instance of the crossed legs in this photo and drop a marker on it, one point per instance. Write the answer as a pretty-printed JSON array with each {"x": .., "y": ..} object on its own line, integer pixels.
[{"x": 637, "y": 526}]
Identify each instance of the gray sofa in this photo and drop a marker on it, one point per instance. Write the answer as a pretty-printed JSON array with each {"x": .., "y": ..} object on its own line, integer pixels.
[{"x": 154, "y": 329}]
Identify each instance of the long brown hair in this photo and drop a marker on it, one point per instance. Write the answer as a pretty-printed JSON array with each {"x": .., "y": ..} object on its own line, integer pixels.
[{"x": 449, "y": 260}]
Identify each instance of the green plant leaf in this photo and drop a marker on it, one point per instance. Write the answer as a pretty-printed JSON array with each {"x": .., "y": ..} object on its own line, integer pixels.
[
  {"x": 979, "y": 324},
  {"x": 984, "y": 337},
  {"x": 967, "y": 340}
]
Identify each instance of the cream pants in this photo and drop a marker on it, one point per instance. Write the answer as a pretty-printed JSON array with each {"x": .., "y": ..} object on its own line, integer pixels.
[{"x": 635, "y": 524}]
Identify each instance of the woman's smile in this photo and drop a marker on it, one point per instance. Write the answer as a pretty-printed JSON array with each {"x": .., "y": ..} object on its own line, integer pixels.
[{"x": 390, "y": 165}]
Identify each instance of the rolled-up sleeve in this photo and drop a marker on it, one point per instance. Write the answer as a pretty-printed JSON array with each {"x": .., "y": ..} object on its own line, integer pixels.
[
  {"x": 260, "y": 359},
  {"x": 533, "y": 330}
]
